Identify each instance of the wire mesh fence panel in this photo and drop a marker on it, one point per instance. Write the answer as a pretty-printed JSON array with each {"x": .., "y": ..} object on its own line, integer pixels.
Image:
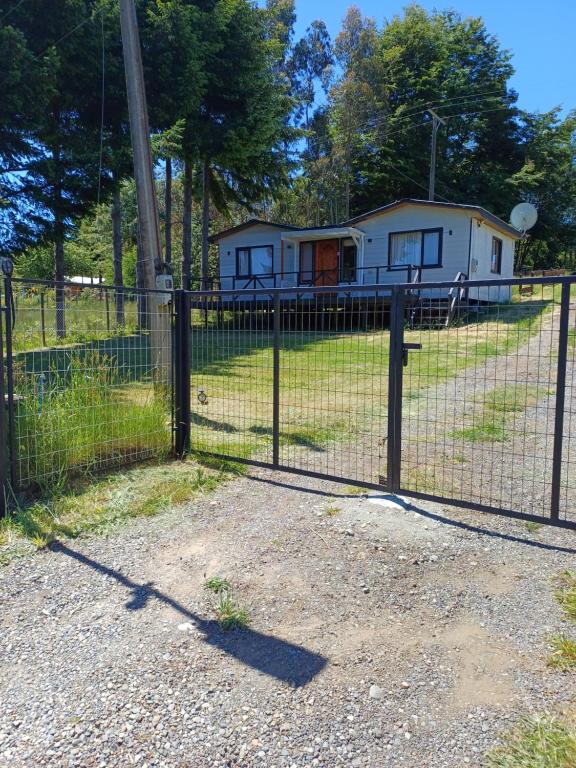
[
  {"x": 90, "y": 372},
  {"x": 333, "y": 389},
  {"x": 232, "y": 376},
  {"x": 479, "y": 399}
]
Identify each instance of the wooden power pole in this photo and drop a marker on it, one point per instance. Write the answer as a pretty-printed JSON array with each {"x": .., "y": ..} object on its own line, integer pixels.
[{"x": 148, "y": 219}]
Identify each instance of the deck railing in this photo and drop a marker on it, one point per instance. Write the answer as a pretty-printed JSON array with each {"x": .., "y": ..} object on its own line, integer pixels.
[{"x": 373, "y": 275}]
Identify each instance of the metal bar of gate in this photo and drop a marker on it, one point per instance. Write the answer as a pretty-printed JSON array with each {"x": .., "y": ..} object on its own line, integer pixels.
[
  {"x": 276, "y": 385},
  {"x": 560, "y": 400},
  {"x": 4, "y": 451},
  {"x": 10, "y": 378},
  {"x": 394, "y": 444},
  {"x": 182, "y": 405}
]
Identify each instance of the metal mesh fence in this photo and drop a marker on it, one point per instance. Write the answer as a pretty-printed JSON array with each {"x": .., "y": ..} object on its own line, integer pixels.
[
  {"x": 231, "y": 379},
  {"x": 89, "y": 379},
  {"x": 460, "y": 393},
  {"x": 480, "y": 399},
  {"x": 333, "y": 385},
  {"x": 568, "y": 474},
  {"x": 331, "y": 372}
]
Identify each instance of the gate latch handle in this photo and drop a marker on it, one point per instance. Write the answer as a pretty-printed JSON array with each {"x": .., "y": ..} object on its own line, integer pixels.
[{"x": 406, "y": 348}]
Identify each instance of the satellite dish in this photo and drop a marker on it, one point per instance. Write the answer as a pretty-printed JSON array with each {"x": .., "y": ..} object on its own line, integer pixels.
[{"x": 523, "y": 216}]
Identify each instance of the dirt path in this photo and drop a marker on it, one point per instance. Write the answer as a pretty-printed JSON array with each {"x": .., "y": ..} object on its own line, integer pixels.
[{"x": 110, "y": 654}]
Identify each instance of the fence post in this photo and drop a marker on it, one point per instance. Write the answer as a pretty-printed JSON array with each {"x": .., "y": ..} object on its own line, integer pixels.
[
  {"x": 276, "y": 384},
  {"x": 560, "y": 399},
  {"x": 43, "y": 317},
  {"x": 182, "y": 410},
  {"x": 394, "y": 443},
  {"x": 9, "y": 366},
  {"x": 4, "y": 449}
]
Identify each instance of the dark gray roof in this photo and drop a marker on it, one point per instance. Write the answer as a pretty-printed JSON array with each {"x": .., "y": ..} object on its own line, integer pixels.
[
  {"x": 245, "y": 225},
  {"x": 436, "y": 204},
  {"x": 497, "y": 222}
]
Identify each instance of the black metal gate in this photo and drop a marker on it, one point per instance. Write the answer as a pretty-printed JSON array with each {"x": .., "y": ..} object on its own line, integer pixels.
[{"x": 457, "y": 393}]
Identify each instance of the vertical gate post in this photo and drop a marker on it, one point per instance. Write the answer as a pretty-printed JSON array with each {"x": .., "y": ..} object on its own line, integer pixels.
[
  {"x": 4, "y": 449},
  {"x": 560, "y": 399},
  {"x": 182, "y": 411},
  {"x": 394, "y": 443},
  {"x": 276, "y": 384},
  {"x": 9, "y": 367}
]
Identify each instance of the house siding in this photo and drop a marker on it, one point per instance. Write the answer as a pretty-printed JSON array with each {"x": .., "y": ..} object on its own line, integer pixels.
[
  {"x": 455, "y": 228},
  {"x": 481, "y": 255},
  {"x": 259, "y": 234}
]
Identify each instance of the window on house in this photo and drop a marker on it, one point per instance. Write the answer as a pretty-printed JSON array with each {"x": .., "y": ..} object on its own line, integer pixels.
[
  {"x": 496, "y": 260},
  {"x": 348, "y": 260},
  {"x": 306, "y": 263},
  {"x": 420, "y": 248},
  {"x": 257, "y": 260}
]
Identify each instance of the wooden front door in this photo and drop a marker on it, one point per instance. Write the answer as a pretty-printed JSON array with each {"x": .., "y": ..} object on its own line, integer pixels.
[{"x": 326, "y": 267}]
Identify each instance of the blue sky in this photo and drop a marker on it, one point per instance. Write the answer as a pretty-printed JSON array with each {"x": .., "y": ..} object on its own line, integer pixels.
[{"x": 540, "y": 34}]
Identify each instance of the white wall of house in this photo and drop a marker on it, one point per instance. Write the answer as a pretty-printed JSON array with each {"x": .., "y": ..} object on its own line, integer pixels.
[
  {"x": 455, "y": 225},
  {"x": 256, "y": 235},
  {"x": 481, "y": 259}
]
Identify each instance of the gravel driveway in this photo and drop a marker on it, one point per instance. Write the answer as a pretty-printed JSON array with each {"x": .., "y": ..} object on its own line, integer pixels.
[{"x": 378, "y": 636}]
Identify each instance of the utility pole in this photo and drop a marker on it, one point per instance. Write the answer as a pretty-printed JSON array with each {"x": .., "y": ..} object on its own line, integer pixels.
[
  {"x": 157, "y": 304},
  {"x": 436, "y": 120},
  {"x": 148, "y": 220}
]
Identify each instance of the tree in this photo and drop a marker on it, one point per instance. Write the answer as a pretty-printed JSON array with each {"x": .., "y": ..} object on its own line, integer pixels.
[
  {"x": 22, "y": 97},
  {"x": 176, "y": 48},
  {"x": 415, "y": 61},
  {"x": 61, "y": 177},
  {"x": 547, "y": 179},
  {"x": 240, "y": 129}
]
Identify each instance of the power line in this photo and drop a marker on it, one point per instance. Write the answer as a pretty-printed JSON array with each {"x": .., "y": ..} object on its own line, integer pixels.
[
  {"x": 408, "y": 117},
  {"x": 418, "y": 184},
  {"x": 55, "y": 44},
  {"x": 413, "y": 111},
  {"x": 14, "y": 8}
]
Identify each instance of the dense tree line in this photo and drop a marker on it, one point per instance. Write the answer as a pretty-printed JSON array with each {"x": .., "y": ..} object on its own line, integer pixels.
[{"x": 245, "y": 118}]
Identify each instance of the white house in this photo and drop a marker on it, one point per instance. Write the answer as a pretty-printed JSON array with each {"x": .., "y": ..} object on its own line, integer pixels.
[{"x": 405, "y": 241}]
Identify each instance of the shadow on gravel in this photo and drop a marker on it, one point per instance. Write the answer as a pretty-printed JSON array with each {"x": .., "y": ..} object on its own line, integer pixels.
[
  {"x": 410, "y": 507},
  {"x": 285, "y": 661}
]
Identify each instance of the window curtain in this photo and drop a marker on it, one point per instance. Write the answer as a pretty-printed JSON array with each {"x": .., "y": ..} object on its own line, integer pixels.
[
  {"x": 405, "y": 248},
  {"x": 262, "y": 261}
]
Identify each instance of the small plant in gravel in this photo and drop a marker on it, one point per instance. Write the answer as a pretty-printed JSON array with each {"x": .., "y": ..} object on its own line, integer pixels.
[
  {"x": 332, "y": 510},
  {"x": 566, "y": 594},
  {"x": 230, "y": 614},
  {"x": 536, "y": 742},
  {"x": 217, "y": 585},
  {"x": 532, "y": 526},
  {"x": 355, "y": 490},
  {"x": 563, "y": 652}
]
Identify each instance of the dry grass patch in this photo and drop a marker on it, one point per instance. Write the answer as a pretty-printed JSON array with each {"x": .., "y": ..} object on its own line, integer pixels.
[{"x": 99, "y": 506}]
